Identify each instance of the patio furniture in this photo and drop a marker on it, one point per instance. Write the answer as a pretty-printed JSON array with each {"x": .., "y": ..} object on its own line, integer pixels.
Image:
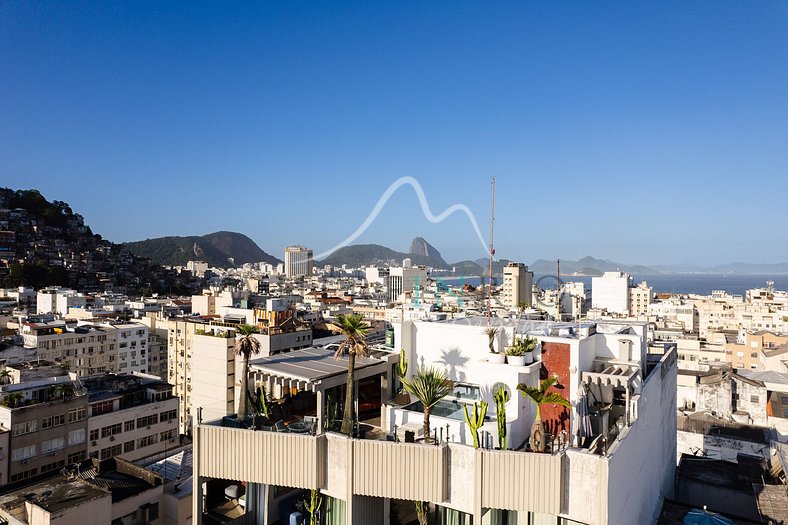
[
  {"x": 279, "y": 426},
  {"x": 298, "y": 427}
]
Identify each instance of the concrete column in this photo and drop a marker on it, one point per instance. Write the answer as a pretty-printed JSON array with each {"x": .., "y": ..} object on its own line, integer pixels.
[{"x": 320, "y": 401}]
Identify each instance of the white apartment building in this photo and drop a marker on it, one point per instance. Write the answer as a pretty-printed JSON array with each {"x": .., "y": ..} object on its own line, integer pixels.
[
  {"x": 58, "y": 300},
  {"x": 517, "y": 286},
  {"x": 200, "y": 366},
  {"x": 198, "y": 268},
  {"x": 572, "y": 299},
  {"x": 90, "y": 348},
  {"x": 618, "y": 475},
  {"x": 405, "y": 279},
  {"x": 298, "y": 261},
  {"x": 611, "y": 292},
  {"x": 130, "y": 416}
]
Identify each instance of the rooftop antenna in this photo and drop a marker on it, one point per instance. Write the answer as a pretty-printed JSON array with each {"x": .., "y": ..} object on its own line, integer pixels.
[{"x": 492, "y": 250}]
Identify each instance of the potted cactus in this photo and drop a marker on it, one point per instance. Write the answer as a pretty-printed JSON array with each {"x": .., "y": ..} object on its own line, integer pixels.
[
  {"x": 501, "y": 397},
  {"x": 402, "y": 397}
]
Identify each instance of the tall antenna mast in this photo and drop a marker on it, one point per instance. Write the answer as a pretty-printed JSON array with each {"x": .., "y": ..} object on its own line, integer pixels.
[{"x": 492, "y": 250}]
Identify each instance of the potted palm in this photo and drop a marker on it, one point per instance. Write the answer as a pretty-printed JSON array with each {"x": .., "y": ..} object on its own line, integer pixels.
[
  {"x": 540, "y": 396},
  {"x": 429, "y": 385},
  {"x": 494, "y": 357}
]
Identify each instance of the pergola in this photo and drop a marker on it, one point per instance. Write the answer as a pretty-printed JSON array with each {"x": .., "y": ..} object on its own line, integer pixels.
[
  {"x": 317, "y": 370},
  {"x": 612, "y": 373}
]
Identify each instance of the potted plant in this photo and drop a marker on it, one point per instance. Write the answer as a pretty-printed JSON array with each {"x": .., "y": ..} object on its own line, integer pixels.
[
  {"x": 540, "y": 396},
  {"x": 520, "y": 352},
  {"x": 494, "y": 357},
  {"x": 429, "y": 385},
  {"x": 501, "y": 397},
  {"x": 402, "y": 397}
]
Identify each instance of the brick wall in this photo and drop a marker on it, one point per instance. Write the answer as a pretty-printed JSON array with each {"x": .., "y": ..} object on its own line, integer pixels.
[{"x": 555, "y": 362}]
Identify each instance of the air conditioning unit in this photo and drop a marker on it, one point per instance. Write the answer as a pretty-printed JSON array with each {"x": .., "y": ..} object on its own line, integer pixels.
[
  {"x": 112, "y": 438},
  {"x": 93, "y": 443}
]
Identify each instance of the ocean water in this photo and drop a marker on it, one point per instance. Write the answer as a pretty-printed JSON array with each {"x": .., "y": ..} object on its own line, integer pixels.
[{"x": 695, "y": 283}]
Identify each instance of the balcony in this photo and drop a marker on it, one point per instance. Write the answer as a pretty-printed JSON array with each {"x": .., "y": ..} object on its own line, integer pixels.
[{"x": 343, "y": 467}]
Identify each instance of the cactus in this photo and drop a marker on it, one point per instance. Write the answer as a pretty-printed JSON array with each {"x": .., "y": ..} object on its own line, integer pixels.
[
  {"x": 501, "y": 397},
  {"x": 260, "y": 403},
  {"x": 475, "y": 423},
  {"x": 422, "y": 512},
  {"x": 402, "y": 367},
  {"x": 313, "y": 506}
]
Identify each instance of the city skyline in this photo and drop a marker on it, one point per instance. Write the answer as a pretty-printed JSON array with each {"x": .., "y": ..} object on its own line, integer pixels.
[{"x": 626, "y": 135}]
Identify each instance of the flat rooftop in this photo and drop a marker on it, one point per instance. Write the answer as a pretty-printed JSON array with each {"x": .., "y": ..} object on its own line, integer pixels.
[
  {"x": 311, "y": 365},
  {"x": 52, "y": 495}
]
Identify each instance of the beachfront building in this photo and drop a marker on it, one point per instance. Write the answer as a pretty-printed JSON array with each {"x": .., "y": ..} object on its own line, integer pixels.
[{"x": 620, "y": 428}]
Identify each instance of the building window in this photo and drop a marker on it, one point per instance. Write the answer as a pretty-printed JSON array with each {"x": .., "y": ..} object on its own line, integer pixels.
[
  {"x": 76, "y": 415},
  {"x": 25, "y": 428},
  {"x": 51, "y": 445},
  {"x": 112, "y": 451},
  {"x": 53, "y": 421},
  {"x": 128, "y": 426},
  {"x": 53, "y": 466},
  {"x": 147, "y": 421},
  {"x": 146, "y": 441},
  {"x": 94, "y": 434},
  {"x": 22, "y": 453},
  {"x": 102, "y": 407},
  {"x": 170, "y": 434},
  {"x": 76, "y": 437},
  {"x": 128, "y": 446},
  {"x": 754, "y": 399},
  {"x": 111, "y": 430},
  {"x": 77, "y": 457},
  {"x": 168, "y": 415},
  {"x": 23, "y": 475}
]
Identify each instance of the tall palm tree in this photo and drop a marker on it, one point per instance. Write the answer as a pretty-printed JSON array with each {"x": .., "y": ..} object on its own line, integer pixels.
[
  {"x": 429, "y": 385},
  {"x": 354, "y": 329},
  {"x": 540, "y": 396},
  {"x": 5, "y": 376},
  {"x": 246, "y": 346},
  {"x": 491, "y": 332}
]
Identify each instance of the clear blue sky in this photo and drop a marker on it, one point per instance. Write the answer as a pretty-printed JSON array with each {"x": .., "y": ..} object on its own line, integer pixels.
[{"x": 645, "y": 132}]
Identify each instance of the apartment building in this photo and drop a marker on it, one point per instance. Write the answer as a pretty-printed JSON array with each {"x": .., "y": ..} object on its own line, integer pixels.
[
  {"x": 57, "y": 300},
  {"x": 584, "y": 477},
  {"x": 90, "y": 348},
  {"x": 405, "y": 279},
  {"x": 130, "y": 416},
  {"x": 91, "y": 492},
  {"x": 298, "y": 261},
  {"x": 640, "y": 297},
  {"x": 517, "y": 286},
  {"x": 750, "y": 349},
  {"x": 200, "y": 365},
  {"x": 46, "y": 412},
  {"x": 611, "y": 292}
]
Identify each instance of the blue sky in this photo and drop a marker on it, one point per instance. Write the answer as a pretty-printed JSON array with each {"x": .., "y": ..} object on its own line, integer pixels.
[{"x": 648, "y": 133}]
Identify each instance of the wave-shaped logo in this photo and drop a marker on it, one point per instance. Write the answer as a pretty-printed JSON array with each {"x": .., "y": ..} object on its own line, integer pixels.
[{"x": 425, "y": 208}]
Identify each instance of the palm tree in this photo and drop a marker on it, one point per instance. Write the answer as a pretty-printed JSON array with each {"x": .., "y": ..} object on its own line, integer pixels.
[
  {"x": 540, "y": 396},
  {"x": 429, "y": 385},
  {"x": 5, "y": 376},
  {"x": 491, "y": 332},
  {"x": 355, "y": 330},
  {"x": 246, "y": 346},
  {"x": 14, "y": 399}
]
